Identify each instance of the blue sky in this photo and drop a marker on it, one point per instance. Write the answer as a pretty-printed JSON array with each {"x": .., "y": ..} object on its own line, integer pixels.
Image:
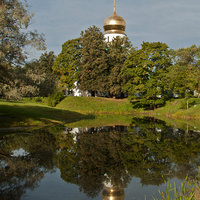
[{"x": 174, "y": 22}]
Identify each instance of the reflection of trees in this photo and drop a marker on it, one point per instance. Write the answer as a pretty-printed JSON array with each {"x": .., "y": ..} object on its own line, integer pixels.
[
  {"x": 148, "y": 149},
  {"x": 94, "y": 159},
  {"x": 163, "y": 151},
  {"x": 24, "y": 170},
  {"x": 98, "y": 159}
]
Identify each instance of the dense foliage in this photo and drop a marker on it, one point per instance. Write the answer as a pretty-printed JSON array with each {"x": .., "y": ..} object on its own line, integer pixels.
[
  {"x": 93, "y": 69},
  {"x": 36, "y": 78},
  {"x": 143, "y": 74},
  {"x": 14, "y": 37},
  {"x": 55, "y": 98},
  {"x": 15, "y": 19},
  {"x": 67, "y": 62},
  {"x": 101, "y": 62},
  {"x": 117, "y": 53}
]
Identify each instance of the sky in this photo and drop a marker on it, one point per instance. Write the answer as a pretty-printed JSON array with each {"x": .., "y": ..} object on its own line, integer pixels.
[{"x": 174, "y": 22}]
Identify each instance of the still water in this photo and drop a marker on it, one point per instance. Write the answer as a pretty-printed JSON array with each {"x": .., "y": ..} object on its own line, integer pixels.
[{"x": 99, "y": 163}]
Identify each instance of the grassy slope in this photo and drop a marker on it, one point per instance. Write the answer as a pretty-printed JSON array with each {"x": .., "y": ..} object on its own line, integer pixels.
[
  {"x": 107, "y": 111},
  {"x": 27, "y": 114},
  {"x": 174, "y": 109},
  {"x": 96, "y": 105},
  {"x": 80, "y": 111},
  {"x": 77, "y": 111}
]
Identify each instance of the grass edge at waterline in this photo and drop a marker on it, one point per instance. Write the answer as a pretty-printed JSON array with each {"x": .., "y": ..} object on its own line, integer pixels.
[
  {"x": 13, "y": 114},
  {"x": 75, "y": 109},
  {"x": 189, "y": 190}
]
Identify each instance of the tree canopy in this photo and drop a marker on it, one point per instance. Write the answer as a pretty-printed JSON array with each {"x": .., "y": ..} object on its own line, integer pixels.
[
  {"x": 101, "y": 62},
  {"x": 183, "y": 77},
  {"x": 67, "y": 63},
  {"x": 15, "y": 19},
  {"x": 117, "y": 52},
  {"x": 93, "y": 68},
  {"x": 143, "y": 73}
]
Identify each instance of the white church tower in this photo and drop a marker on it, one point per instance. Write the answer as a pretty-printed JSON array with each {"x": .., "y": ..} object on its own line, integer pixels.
[{"x": 114, "y": 26}]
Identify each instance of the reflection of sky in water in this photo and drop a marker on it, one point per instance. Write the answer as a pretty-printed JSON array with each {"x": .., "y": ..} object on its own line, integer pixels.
[
  {"x": 19, "y": 152},
  {"x": 136, "y": 191},
  {"x": 53, "y": 187}
]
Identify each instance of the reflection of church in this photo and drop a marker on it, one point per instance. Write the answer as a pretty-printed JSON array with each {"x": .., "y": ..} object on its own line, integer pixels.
[
  {"x": 111, "y": 192},
  {"x": 114, "y": 26}
]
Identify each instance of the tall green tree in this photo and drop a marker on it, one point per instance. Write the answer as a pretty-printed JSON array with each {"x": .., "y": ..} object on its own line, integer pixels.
[
  {"x": 93, "y": 70},
  {"x": 184, "y": 76},
  {"x": 117, "y": 52},
  {"x": 46, "y": 61},
  {"x": 67, "y": 63},
  {"x": 15, "y": 19},
  {"x": 36, "y": 78},
  {"x": 39, "y": 74},
  {"x": 143, "y": 73}
]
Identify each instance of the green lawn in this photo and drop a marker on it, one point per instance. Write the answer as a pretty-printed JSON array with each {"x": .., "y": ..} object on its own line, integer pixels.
[
  {"x": 76, "y": 111},
  {"x": 94, "y": 111},
  {"x": 96, "y": 105},
  {"x": 176, "y": 108},
  {"x": 28, "y": 114}
]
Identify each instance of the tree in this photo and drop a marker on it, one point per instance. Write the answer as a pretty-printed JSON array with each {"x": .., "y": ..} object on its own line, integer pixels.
[
  {"x": 46, "y": 62},
  {"x": 15, "y": 19},
  {"x": 93, "y": 69},
  {"x": 143, "y": 72},
  {"x": 39, "y": 74},
  {"x": 183, "y": 77},
  {"x": 36, "y": 78},
  {"x": 117, "y": 52},
  {"x": 67, "y": 62}
]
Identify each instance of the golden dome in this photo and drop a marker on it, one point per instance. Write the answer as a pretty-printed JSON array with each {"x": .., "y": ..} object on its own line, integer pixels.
[{"x": 114, "y": 24}]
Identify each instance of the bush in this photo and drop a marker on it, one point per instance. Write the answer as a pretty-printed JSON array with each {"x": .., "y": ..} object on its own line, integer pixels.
[
  {"x": 55, "y": 98},
  {"x": 38, "y": 99}
]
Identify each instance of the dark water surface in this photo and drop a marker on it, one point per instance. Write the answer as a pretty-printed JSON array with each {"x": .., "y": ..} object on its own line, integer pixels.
[{"x": 109, "y": 163}]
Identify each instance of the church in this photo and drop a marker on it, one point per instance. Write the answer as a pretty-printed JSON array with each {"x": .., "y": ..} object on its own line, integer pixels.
[{"x": 113, "y": 26}]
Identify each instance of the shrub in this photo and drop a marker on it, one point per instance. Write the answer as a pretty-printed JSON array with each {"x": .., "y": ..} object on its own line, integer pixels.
[
  {"x": 38, "y": 99},
  {"x": 55, "y": 98}
]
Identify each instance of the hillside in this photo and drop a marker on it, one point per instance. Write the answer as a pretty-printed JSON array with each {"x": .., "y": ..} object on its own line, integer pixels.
[
  {"x": 177, "y": 109},
  {"x": 96, "y": 105}
]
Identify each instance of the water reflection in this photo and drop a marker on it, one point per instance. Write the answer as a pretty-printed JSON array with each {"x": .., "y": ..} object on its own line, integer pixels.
[
  {"x": 99, "y": 160},
  {"x": 113, "y": 193}
]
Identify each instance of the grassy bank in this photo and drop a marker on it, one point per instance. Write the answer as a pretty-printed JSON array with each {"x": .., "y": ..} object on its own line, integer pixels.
[
  {"x": 94, "y": 111},
  {"x": 96, "y": 105},
  {"x": 74, "y": 111},
  {"x": 177, "y": 109},
  {"x": 174, "y": 108},
  {"x": 14, "y": 114}
]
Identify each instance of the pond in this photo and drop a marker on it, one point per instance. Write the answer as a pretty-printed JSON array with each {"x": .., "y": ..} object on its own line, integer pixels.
[{"x": 97, "y": 163}]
